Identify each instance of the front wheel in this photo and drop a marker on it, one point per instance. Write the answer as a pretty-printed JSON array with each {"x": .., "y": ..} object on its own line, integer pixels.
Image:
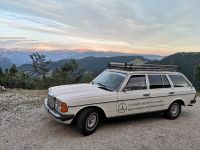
[
  {"x": 88, "y": 121},
  {"x": 173, "y": 111}
]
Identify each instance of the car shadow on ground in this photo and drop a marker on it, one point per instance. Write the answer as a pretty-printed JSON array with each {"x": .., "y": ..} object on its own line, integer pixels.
[
  {"x": 135, "y": 118},
  {"x": 71, "y": 130},
  {"x": 121, "y": 120},
  {"x": 150, "y": 116}
]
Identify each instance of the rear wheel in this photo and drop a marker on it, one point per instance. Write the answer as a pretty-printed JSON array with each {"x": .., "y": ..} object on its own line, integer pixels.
[
  {"x": 173, "y": 111},
  {"x": 88, "y": 121}
]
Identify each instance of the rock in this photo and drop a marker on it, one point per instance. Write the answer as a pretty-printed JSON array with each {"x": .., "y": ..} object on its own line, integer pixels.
[{"x": 2, "y": 88}]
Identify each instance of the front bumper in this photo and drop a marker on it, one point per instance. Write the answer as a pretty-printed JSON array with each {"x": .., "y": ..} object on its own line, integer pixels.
[
  {"x": 57, "y": 115},
  {"x": 193, "y": 101}
]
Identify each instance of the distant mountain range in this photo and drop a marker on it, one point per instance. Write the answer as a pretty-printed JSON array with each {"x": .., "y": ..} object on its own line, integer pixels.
[
  {"x": 20, "y": 57},
  {"x": 5, "y": 63},
  {"x": 92, "y": 64},
  {"x": 185, "y": 61},
  {"x": 98, "y": 61}
]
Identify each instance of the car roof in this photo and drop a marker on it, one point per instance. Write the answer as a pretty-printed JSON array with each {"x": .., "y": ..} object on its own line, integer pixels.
[{"x": 142, "y": 72}]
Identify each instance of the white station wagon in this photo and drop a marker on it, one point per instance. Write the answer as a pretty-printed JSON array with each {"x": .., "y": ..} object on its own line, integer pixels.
[{"x": 123, "y": 89}]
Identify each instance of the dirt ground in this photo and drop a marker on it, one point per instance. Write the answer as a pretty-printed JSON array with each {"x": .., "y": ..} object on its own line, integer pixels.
[{"x": 24, "y": 124}]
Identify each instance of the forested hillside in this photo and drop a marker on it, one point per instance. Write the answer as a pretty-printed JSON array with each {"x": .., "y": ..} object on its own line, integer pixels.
[
  {"x": 67, "y": 71},
  {"x": 42, "y": 73},
  {"x": 92, "y": 64},
  {"x": 187, "y": 63},
  {"x": 97, "y": 65}
]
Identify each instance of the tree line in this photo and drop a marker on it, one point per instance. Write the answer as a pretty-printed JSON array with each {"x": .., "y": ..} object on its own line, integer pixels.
[{"x": 43, "y": 77}]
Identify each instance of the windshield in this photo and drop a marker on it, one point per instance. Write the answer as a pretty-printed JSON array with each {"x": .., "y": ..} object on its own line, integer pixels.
[{"x": 109, "y": 80}]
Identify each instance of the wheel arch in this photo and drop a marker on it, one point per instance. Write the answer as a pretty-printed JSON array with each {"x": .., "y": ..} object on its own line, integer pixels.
[
  {"x": 179, "y": 100},
  {"x": 99, "y": 109}
]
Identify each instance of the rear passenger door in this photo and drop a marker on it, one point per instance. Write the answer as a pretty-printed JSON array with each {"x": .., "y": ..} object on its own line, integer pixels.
[{"x": 159, "y": 88}]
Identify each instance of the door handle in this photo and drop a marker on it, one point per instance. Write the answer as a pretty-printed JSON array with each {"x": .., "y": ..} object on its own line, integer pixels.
[
  {"x": 171, "y": 92},
  {"x": 146, "y": 94}
]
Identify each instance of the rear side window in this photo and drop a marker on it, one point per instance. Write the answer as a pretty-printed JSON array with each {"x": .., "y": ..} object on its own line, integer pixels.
[
  {"x": 178, "y": 81},
  {"x": 155, "y": 81},
  {"x": 136, "y": 82}
]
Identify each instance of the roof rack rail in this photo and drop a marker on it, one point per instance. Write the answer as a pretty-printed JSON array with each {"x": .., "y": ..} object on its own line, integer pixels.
[{"x": 144, "y": 67}]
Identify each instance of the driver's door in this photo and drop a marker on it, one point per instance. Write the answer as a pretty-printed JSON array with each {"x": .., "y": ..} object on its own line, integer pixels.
[{"x": 135, "y": 96}]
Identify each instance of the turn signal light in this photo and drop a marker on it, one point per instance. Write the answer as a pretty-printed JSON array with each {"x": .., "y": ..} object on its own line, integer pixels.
[{"x": 63, "y": 107}]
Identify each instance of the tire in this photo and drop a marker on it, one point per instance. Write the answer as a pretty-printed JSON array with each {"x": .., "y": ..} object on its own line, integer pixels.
[
  {"x": 88, "y": 121},
  {"x": 173, "y": 111}
]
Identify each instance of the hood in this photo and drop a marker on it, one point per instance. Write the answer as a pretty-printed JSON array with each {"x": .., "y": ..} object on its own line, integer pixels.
[{"x": 79, "y": 92}]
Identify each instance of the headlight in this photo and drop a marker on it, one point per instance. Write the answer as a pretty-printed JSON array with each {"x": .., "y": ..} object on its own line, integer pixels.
[
  {"x": 57, "y": 104},
  {"x": 60, "y": 106}
]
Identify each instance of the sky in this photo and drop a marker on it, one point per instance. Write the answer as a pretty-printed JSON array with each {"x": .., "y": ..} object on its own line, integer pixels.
[{"x": 133, "y": 26}]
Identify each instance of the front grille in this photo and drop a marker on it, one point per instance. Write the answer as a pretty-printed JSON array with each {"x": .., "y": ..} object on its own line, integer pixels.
[{"x": 51, "y": 102}]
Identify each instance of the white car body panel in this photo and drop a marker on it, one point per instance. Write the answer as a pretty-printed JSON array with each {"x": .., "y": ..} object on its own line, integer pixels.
[
  {"x": 120, "y": 103},
  {"x": 78, "y": 96}
]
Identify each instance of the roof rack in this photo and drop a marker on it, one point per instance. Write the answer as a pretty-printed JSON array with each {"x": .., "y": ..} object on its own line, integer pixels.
[{"x": 144, "y": 67}]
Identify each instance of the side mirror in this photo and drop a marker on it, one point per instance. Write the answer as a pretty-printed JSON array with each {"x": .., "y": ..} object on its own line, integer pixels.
[{"x": 126, "y": 89}]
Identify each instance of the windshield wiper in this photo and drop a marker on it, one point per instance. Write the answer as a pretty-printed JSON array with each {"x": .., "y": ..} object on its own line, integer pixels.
[
  {"x": 102, "y": 86},
  {"x": 105, "y": 88}
]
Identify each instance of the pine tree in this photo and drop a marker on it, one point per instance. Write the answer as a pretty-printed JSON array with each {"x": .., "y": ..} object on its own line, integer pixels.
[
  {"x": 13, "y": 70},
  {"x": 40, "y": 63},
  {"x": 1, "y": 72},
  {"x": 198, "y": 72}
]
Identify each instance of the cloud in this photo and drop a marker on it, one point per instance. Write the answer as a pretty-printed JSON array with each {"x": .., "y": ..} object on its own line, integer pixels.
[
  {"x": 38, "y": 24},
  {"x": 15, "y": 39},
  {"x": 12, "y": 42},
  {"x": 139, "y": 24}
]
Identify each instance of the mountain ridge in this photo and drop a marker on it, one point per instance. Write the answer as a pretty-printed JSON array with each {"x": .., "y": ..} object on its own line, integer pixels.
[
  {"x": 5, "y": 62},
  {"x": 187, "y": 61},
  {"x": 91, "y": 63},
  {"x": 22, "y": 57}
]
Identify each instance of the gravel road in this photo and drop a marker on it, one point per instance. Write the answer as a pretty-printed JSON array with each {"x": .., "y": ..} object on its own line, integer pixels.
[{"x": 24, "y": 124}]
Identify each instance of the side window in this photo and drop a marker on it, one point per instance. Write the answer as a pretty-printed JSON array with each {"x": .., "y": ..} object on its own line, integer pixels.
[
  {"x": 166, "y": 83},
  {"x": 178, "y": 81},
  {"x": 155, "y": 81},
  {"x": 136, "y": 82}
]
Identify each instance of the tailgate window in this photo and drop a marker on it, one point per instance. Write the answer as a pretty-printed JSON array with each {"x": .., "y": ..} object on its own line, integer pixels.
[{"x": 179, "y": 81}]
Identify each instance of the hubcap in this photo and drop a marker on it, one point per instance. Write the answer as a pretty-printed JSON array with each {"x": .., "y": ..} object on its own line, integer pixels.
[
  {"x": 92, "y": 121},
  {"x": 174, "y": 109}
]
